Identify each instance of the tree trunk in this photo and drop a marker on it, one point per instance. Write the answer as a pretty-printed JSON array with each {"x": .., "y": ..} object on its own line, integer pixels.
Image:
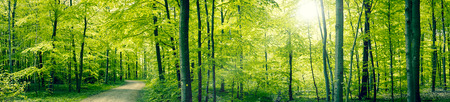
[
  {"x": 212, "y": 53},
  {"x": 81, "y": 55},
  {"x": 199, "y": 53},
  {"x": 158, "y": 51},
  {"x": 115, "y": 65},
  {"x": 365, "y": 74},
  {"x": 352, "y": 50},
  {"x": 445, "y": 39},
  {"x": 325, "y": 72},
  {"x": 107, "y": 64},
  {"x": 121, "y": 68},
  {"x": 310, "y": 61},
  {"x": 10, "y": 33},
  {"x": 390, "y": 51},
  {"x": 55, "y": 27},
  {"x": 433, "y": 46},
  {"x": 222, "y": 85},
  {"x": 186, "y": 94},
  {"x": 339, "y": 51},
  {"x": 412, "y": 16},
  {"x": 290, "y": 67},
  {"x": 136, "y": 69},
  {"x": 209, "y": 40}
]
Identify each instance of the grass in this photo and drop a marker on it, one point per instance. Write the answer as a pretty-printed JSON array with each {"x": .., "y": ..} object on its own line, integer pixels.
[{"x": 61, "y": 93}]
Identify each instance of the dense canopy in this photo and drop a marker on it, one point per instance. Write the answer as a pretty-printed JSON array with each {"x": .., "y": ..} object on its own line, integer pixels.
[{"x": 226, "y": 50}]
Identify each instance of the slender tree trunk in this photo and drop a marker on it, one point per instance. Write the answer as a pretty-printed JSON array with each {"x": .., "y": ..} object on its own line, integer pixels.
[
  {"x": 107, "y": 64},
  {"x": 212, "y": 53},
  {"x": 158, "y": 51},
  {"x": 445, "y": 39},
  {"x": 433, "y": 46},
  {"x": 373, "y": 80},
  {"x": 55, "y": 27},
  {"x": 199, "y": 53},
  {"x": 240, "y": 87},
  {"x": 310, "y": 61},
  {"x": 325, "y": 72},
  {"x": 121, "y": 68},
  {"x": 365, "y": 74},
  {"x": 10, "y": 40},
  {"x": 115, "y": 64},
  {"x": 412, "y": 16},
  {"x": 81, "y": 54},
  {"x": 352, "y": 50},
  {"x": 222, "y": 85},
  {"x": 390, "y": 51},
  {"x": 290, "y": 67},
  {"x": 73, "y": 58},
  {"x": 209, "y": 47}
]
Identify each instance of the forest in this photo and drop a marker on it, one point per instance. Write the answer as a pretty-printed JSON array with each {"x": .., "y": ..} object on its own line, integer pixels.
[{"x": 224, "y": 50}]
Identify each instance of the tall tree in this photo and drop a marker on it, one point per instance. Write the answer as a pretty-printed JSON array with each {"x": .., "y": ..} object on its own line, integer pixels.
[
  {"x": 365, "y": 71},
  {"x": 434, "y": 56},
  {"x": 445, "y": 39},
  {"x": 199, "y": 53},
  {"x": 10, "y": 40},
  {"x": 339, "y": 51},
  {"x": 353, "y": 49},
  {"x": 310, "y": 61},
  {"x": 290, "y": 66},
  {"x": 324, "y": 41},
  {"x": 186, "y": 94},
  {"x": 209, "y": 40},
  {"x": 212, "y": 52},
  {"x": 55, "y": 27},
  {"x": 390, "y": 51},
  {"x": 412, "y": 34},
  {"x": 158, "y": 49},
  {"x": 80, "y": 73}
]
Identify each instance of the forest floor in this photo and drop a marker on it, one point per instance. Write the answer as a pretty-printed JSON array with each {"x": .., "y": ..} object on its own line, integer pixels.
[{"x": 126, "y": 93}]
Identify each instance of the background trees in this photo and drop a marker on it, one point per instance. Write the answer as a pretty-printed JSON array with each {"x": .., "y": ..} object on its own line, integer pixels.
[{"x": 258, "y": 51}]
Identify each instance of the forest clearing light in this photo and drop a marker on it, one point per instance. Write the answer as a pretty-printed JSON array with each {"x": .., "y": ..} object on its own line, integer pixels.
[{"x": 307, "y": 10}]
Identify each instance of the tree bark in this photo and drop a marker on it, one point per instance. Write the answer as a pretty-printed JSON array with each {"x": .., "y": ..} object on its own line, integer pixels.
[
  {"x": 412, "y": 17},
  {"x": 107, "y": 64},
  {"x": 339, "y": 51},
  {"x": 186, "y": 94},
  {"x": 290, "y": 67},
  {"x": 352, "y": 50},
  {"x": 121, "y": 68},
  {"x": 212, "y": 53},
  {"x": 365, "y": 74},
  {"x": 325, "y": 72},
  {"x": 390, "y": 51},
  {"x": 10, "y": 40},
  {"x": 158, "y": 51},
  {"x": 199, "y": 52},
  {"x": 310, "y": 61},
  {"x": 81, "y": 54},
  {"x": 209, "y": 47},
  {"x": 433, "y": 46},
  {"x": 445, "y": 39}
]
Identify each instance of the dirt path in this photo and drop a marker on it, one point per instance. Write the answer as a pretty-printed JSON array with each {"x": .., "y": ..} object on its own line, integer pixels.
[{"x": 126, "y": 93}]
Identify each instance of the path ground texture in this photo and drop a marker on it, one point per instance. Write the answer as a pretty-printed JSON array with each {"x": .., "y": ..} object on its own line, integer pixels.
[{"x": 126, "y": 93}]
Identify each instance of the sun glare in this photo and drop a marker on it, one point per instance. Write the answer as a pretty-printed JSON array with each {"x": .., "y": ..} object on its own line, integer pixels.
[{"x": 306, "y": 11}]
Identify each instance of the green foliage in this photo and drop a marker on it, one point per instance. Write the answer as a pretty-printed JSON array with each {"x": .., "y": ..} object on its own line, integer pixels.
[
  {"x": 160, "y": 91},
  {"x": 10, "y": 85}
]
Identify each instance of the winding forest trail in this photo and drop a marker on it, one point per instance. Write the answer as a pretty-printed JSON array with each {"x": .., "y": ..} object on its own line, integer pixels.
[{"x": 126, "y": 93}]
